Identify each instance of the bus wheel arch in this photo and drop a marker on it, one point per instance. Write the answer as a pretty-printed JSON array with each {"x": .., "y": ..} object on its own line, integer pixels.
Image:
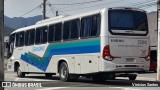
[
  {"x": 60, "y": 62},
  {"x": 63, "y": 70},
  {"x": 18, "y": 70}
]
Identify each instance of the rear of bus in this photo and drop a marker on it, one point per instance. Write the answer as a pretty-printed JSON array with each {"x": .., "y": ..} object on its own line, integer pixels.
[{"x": 125, "y": 42}]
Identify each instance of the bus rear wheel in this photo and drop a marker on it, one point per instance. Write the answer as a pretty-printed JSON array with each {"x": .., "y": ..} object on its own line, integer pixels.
[
  {"x": 19, "y": 72},
  {"x": 64, "y": 72}
]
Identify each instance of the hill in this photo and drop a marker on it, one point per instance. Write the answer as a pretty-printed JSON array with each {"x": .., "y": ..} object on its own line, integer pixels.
[
  {"x": 7, "y": 30},
  {"x": 19, "y": 22}
]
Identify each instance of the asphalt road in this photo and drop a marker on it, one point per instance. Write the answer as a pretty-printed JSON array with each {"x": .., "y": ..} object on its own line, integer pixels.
[{"x": 83, "y": 83}]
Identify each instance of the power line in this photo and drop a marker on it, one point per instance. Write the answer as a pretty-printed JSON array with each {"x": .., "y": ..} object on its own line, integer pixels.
[
  {"x": 134, "y": 4},
  {"x": 143, "y": 3},
  {"x": 101, "y": 5},
  {"x": 57, "y": 8},
  {"x": 149, "y": 5},
  {"x": 83, "y": 7},
  {"x": 30, "y": 11},
  {"x": 51, "y": 8},
  {"x": 79, "y": 2},
  {"x": 95, "y": 5},
  {"x": 60, "y": 10},
  {"x": 140, "y": 3}
]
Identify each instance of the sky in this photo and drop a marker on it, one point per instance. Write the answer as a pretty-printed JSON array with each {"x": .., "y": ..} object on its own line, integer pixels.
[{"x": 24, "y": 8}]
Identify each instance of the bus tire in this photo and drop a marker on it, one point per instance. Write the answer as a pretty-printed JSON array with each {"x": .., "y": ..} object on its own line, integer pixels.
[
  {"x": 132, "y": 77},
  {"x": 64, "y": 72},
  {"x": 20, "y": 73}
]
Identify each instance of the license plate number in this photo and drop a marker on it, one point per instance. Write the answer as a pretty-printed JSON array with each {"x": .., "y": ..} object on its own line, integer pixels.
[{"x": 130, "y": 59}]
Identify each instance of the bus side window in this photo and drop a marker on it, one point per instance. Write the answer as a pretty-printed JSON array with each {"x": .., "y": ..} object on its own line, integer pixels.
[
  {"x": 66, "y": 30},
  {"x": 71, "y": 29},
  {"x": 86, "y": 23},
  {"x": 41, "y": 35},
  {"x": 44, "y": 34},
  {"x": 75, "y": 28},
  {"x": 58, "y": 32},
  {"x": 90, "y": 26},
  {"x": 95, "y": 31},
  {"x": 31, "y": 36},
  {"x": 20, "y": 39},
  {"x": 38, "y": 36},
  {"x": 17, "y": 39},
  {"x": 26, "y": 37},
  {"x": 51, "y": 32}
]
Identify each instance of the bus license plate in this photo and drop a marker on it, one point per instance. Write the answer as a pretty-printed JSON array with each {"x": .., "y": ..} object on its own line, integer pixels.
[{"x": 130, "y": 59}]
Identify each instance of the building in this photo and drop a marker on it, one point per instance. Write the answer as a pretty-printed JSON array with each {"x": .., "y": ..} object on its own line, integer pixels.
[
  {"x": 153, "y": 32},
  {"x": 6, "y": 39},
  {"x": 152, "y": 21}
]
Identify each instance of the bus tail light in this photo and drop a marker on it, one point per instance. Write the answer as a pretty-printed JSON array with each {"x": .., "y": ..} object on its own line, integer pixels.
[
  {"x": 107, "y": 55},
  {"x": 147, "y": 58}
]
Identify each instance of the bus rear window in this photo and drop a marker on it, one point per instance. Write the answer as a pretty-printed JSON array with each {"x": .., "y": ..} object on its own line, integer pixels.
[{"x": 127, "y": 20}]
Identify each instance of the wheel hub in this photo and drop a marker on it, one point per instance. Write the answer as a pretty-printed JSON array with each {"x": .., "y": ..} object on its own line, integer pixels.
[{"x": 63, "y": 72}]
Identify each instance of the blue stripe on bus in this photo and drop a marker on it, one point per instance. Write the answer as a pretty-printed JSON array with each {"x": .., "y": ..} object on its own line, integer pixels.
[{"x": 42, "y": 63}]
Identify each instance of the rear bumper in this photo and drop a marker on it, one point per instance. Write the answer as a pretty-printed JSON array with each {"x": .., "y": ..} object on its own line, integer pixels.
[
  {"x": 130, "y": 70},
  {"x": 126, "y": 70},
  {"x": 111, "y": 67}
]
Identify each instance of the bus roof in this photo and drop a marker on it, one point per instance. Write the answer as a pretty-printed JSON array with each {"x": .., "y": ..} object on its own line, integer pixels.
[
  {"x": 55, "y": 20},
  {"x": 68, "y": 17}
]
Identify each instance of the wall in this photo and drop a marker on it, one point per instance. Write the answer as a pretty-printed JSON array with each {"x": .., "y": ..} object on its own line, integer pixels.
[{"x": 152, "y": 22}]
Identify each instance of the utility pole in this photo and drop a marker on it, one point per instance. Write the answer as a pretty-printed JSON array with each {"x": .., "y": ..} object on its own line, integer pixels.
[
  {"x": 1, "y": 41},
  {"x": 44, "y": 9},
  {"x": 158, "y": 49}
]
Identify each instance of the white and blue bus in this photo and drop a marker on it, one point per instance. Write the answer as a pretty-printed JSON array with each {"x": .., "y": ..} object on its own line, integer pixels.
[{"x": 102, "y": 44}]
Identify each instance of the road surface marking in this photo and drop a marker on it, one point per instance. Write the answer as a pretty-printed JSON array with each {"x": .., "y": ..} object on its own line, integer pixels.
[{"x": 53, "y": 88}]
